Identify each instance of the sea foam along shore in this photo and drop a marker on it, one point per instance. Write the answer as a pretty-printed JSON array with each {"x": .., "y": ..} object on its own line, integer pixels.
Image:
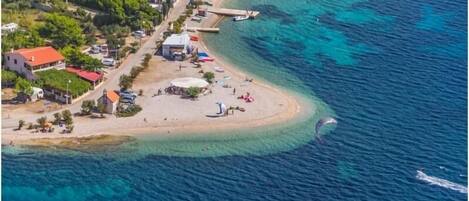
[{"x": 273, "y": 106}]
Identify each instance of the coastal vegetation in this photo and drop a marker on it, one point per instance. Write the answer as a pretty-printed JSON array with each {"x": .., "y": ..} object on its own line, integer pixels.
[
  {"x": 8, "y": 77},
  {"x": 125, "y": 81},
  {"x": 131, "y": 110},
  {"x": 21, "y": 124},
  {"x": 87, "y": 107},
  {"x": 193, "y": 92},
  {"x": 209, "y": 76},
  {"x": 62, "y": 30},
  {"x": 23, "y": 86},
  {"x": 76, "y": 58},
  {"x": 59, "y": 80}
]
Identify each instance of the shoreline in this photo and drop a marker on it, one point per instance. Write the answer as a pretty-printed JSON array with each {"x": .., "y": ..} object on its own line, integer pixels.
[{"x": 296, "y": 108}]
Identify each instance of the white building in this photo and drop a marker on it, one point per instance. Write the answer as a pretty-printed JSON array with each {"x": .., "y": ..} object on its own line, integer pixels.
[
  {"x": 28, "y": 61},
  {"x": 176, "y": 44},
  {"x": 110, "y": 100},
  {"x": 10, "y": 27}
]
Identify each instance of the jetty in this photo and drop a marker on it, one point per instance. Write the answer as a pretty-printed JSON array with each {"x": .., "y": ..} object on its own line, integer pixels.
[
  {"x": 202, "y": 29},
  {"x": 233, "y": 12}
]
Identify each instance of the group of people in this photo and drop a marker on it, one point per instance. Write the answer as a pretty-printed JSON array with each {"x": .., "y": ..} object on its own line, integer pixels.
[{"x": 248, "y": 98}]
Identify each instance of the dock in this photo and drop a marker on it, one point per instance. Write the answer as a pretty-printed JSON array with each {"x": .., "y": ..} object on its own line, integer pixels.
[
  {"x": 232, "y": 12},
  {"x": 201, "y": 29}
]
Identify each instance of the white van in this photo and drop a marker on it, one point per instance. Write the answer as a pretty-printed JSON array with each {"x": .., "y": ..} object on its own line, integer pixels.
[{"x": 108, "y": 62}]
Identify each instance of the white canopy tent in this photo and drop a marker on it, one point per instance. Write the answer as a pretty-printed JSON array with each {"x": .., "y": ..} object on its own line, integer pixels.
[{"x": 187, "y": 82}]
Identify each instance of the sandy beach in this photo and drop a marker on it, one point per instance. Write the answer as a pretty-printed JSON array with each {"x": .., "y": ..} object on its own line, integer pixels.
[{"x": 171, "y": 114}]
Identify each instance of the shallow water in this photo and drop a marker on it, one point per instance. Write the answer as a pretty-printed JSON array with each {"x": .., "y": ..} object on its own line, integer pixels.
[{"x": 393, "y": 72}]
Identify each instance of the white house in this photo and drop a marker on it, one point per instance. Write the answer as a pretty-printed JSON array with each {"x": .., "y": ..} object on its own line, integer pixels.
[
  {"x": 10, "y": 27},
  {"x": 110, "y": 99},
  {"x": 28, "y": 61},
  {"x": 176, "y": 44}
]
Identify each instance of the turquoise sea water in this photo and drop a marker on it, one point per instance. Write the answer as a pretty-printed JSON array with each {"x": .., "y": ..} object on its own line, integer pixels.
[{"x": 393, "y": 73}]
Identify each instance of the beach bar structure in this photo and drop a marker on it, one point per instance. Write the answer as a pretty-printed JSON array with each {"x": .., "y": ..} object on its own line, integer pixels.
[{"x": 176, "y": 45}]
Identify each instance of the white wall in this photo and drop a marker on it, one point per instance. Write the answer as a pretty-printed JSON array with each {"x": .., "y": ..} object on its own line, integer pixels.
[{"x": 19, "y": 66}]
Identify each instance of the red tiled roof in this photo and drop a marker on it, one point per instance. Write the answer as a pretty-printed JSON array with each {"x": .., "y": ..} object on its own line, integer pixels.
[
  {"x": 39, "y": 55},
  {"x": 87, "y": 75},
  {"x": 112, "y": 96}
]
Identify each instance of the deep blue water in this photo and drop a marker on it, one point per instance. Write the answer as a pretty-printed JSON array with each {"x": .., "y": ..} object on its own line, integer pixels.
[{"x": 394, "y": 73}]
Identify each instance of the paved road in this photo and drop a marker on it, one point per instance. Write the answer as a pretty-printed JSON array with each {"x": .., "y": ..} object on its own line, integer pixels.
[{"x": 112, "y": 81}]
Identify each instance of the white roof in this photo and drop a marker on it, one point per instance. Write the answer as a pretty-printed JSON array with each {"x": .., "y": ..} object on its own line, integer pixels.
[
  {"x": 177, "y": 39},
  {"x": 187, "y": 82}
]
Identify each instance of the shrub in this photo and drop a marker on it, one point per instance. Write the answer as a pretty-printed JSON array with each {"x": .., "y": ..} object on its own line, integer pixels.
[
  {"x": 130, "y": 111},
  {"x": 8, "y": 76},
  {"x": 87, "y": 106},
  {"x": 193, "y": 92},
  {"x": 57, "y": 118},
  {"x": 125, "y": 82},
  {"x": 42, "y": 121},
  {"x": 21, "y": 124},
  {"x": 209, "y": 76},
  {"x": 135, "y": 71},
  {"x": 67, "y": 116}
]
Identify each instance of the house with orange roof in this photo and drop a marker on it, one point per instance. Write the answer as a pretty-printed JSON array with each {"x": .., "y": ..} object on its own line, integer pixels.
[
  {"x": 110, "y": 100},
  {"x": 28, "y": 61}
]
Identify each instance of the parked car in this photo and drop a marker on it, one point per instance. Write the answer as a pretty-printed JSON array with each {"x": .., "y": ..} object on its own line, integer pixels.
[
  {"x": 104, "y": 48},
  {"x": 108, "y": 62},
  {"x": 129, "y": 97},
  {"x": 127, "y": 101},
  {"x": 95, "y": 49},
  {"x": 139, "y": 34}
]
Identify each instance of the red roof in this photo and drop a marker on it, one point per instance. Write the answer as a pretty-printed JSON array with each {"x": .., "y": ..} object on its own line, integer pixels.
[
  {"x": 40, "y": 55},
  {"x": 112, "y": 96},
  {"x": 87, "y": 75}
]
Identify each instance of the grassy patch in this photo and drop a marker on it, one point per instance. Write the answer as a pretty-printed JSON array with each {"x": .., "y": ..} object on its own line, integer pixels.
[{"x": 57, "y": 79}]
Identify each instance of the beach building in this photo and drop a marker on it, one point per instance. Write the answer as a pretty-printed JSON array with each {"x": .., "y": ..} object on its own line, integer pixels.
[
  {"x": 176, "y": 46},
  {"x": 110, "y": 99},
  {"x": 29, "y": 61},
  {"x": 10, "y": 27},
  {"x": 94, "y": 78}
]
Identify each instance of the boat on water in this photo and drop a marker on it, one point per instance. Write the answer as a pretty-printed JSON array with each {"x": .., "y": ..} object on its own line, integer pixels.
[{"x": 240, "y": 18}]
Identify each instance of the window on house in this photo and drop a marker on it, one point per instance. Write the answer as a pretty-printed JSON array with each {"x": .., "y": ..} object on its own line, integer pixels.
[
  {"x": 8, "y": 58},
  {"x": 16, "y": 62}
]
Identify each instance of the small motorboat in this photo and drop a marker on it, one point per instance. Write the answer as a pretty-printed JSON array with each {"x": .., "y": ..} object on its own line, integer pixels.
[{"x": 240, "y": 18}]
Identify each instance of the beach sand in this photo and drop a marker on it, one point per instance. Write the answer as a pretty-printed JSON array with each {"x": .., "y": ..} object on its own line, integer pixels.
[{"x": 173, "y": 115}]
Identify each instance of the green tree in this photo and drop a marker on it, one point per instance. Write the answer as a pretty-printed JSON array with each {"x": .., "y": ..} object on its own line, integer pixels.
[
  {"x": 57, "y": 118},
  {"x": 21, "y": 39},
  {"x": 87, "y": 106},
  {"x": 125, "y": 82},
  {"x": 8, "y": 76},
  {"x": 23, "y": 86},
  {"x": 67, "y": 116},
  {"x": 101, "y": 109},
  {"x": 42, "y": 121},
  {"x": 21, "y": 124},
  {"x": 135, "y": 71},
  {"x": 193, "y": 92},
  {"x": 62, "y": 30},
  {"x": 75, "y": 57},
  {"x": 209, "y": 76}
]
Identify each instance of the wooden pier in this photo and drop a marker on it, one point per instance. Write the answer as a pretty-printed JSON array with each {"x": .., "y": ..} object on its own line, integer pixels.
[{"x": 233, "y": 12}]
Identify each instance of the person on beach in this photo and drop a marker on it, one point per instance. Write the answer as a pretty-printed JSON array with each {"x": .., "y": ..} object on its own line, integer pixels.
[
  {"x": 234, "y": 91},
  {"x": 180, "y": 67},
  {"x": 145, "y": 120}
]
